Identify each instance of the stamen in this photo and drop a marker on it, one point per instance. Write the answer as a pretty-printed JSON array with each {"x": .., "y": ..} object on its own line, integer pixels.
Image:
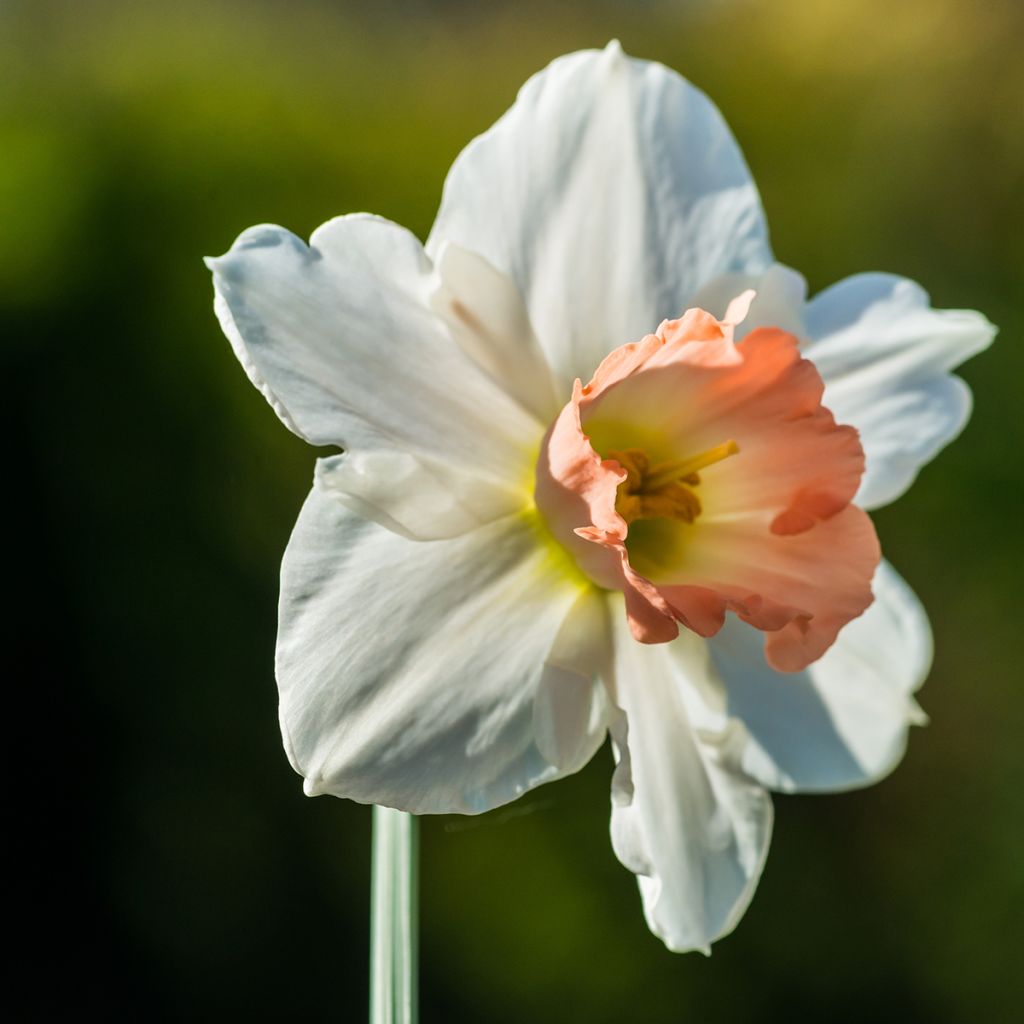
[
  {"x": 673, "y": 501},
  {"x": 669, "y": 472},
  {"x": 635, "y": 462},
  {"x": 664, "y": 491}
]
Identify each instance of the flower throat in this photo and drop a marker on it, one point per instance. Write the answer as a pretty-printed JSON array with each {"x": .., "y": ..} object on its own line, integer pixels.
[{"x": 664, "y": 490}]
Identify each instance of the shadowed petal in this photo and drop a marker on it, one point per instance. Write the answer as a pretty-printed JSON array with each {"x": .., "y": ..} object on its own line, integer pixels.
[
  {"x": 886, "y": 356},
  {"x": 841, "y": 722}
]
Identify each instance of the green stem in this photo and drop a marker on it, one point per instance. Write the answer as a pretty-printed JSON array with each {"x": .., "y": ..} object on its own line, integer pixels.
[{"x": 393, "y": 913}]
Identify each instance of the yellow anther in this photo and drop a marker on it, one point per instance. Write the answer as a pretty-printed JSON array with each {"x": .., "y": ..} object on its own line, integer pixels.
[
  {"x": 664, "y": 490},
  {"x": 674, "y": 501},
  {"x": 635, "y": 463}
]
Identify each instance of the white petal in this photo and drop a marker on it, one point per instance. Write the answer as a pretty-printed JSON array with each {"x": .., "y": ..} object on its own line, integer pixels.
[
  {"x": 409, "y": 672},
  {"x": 341, "y": 338},
  {"x": 610, "y": 192},
  {"x": 420, "y": 498},
  {"x": 570, "y": 714},
  {"x": 843, "y": 721},
  {"x": 684, "y": 816},
  {"x": 885, "y": 356},
  {"x": 486, "y": 315},
  {"x": 778, "y": 300}
]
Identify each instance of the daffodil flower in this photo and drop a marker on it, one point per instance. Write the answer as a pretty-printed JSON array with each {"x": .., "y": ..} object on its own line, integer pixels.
[{"x": 505, "y": 564}]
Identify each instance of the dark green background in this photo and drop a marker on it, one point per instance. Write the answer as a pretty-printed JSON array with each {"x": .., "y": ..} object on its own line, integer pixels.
[{"x": 181, "y": 873}]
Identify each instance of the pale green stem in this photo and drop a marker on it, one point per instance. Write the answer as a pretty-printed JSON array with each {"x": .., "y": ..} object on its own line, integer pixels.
[{"x": 393, "y": 913}]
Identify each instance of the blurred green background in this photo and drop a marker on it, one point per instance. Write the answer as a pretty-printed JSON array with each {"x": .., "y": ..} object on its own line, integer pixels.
[{"x": 181, "y": 873}]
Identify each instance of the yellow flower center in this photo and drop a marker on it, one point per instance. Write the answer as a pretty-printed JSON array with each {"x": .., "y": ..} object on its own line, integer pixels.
[{"x": 664, "y": 490}]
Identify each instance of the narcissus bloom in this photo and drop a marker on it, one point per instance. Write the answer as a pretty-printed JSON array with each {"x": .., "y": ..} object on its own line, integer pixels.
[{"x": 604, "y": 468}]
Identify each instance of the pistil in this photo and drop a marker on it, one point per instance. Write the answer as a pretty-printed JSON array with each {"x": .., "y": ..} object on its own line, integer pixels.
[{"x": 681, "y": 469}]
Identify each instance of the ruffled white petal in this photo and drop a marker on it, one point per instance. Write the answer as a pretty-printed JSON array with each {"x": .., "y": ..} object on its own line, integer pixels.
[
  {"x": 843, "y": 721},
  {"x": 685, "y": 817},
  {"x": 885, "y": 356},
  {"x": 610, "y": 192},
  {"x": 341, "y": 338},
  {"x": 417, "y": 675}
]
